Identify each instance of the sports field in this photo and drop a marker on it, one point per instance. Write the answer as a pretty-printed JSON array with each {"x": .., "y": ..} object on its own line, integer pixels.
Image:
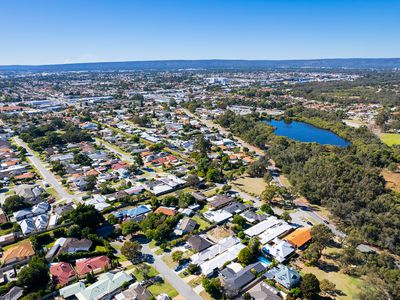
[{"x": 390, "y": 138}]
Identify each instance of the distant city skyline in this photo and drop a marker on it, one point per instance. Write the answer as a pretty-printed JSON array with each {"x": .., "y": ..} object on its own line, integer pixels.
[{"x": 73, "y": 31}]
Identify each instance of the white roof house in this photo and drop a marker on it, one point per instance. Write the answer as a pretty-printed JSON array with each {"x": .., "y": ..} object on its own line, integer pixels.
[
  {"x": 106, "y": 284},
  {"x": 274, "y": 232},
  {"x": 72, "y": 289},
  {"x": 41, "y": 221},
  {"x": 99, "y": 202},
  {"x": 27, "y": 226},
  {"x": 217, "y": 262},
  {"x": 217, "y": 216},
  {"x": 280, "y": 250},
  {"x": 262, "y": 226},
  {"x": 217, "y": 255}
]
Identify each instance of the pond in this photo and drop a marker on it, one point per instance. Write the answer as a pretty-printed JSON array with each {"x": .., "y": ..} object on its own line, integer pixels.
[{"x": 304, "y": 132}]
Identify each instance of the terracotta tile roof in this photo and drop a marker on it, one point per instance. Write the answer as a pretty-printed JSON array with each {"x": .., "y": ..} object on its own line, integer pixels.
[
  {"x": 63, "y": 272},
  {"x": 87, "y": 265},
  {"x": 28, "y": 175},
  {"x": 299, "y": 237},
  {"x": 92, "y": 172},
  {"x": 20, "y": 252},
  {"x": 165, "y": 211},
  {"x": 119, "y": 165}
]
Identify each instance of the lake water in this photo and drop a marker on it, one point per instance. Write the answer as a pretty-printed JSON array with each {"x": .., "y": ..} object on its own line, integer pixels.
[{"x": 304, "y": 132}]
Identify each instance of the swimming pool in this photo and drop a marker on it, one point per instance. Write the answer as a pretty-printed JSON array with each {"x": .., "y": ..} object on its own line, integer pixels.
[{"x": 264, "y": 260}]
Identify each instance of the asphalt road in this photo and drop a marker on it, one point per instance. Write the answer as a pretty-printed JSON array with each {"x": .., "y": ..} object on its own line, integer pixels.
[
  {"x": 182, "y": 287},
  {"x": 46, "y": 174}
]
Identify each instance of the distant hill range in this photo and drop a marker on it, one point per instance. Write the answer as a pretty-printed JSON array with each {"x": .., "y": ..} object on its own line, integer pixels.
[{"x": 216, "y": 64}]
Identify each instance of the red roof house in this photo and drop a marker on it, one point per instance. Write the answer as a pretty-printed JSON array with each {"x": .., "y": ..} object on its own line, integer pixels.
[
  {"x": 95, "y": 264},
  {"x": 62, "y": 272}
]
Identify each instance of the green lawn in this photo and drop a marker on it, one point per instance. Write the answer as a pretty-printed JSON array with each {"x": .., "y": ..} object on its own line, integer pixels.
[
  {"x": 152, "y": 244},
  {"x": 202, "y": 223},
  {"x": 138, "y": 274},
  {"x": 164, "y": 288},
  {"x": 390, "y": 139}
]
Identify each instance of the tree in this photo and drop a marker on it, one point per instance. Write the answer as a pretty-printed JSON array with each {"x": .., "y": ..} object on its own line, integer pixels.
[
  {"x": 213, "y": 287},
  {"x": 328, "y": 287},
  {"x": 310, "y": 286},
  {"x": 177, "y": 256},
  {"x": 106, "y": 189},
  {"x": 267, "y": 209},
  {"x": 185, "y": 199},
  {"x": 90, "y": 278},
  {"x": 214, "y": 175},
  {"x": 132, "y": 251},
  {"x": 14, "y": 203},
  {"x": 254, "y": 246},
  {"x": 91, "y": 181},
  {"x": 112, "y": 219},
  {"x": 247, "y": 296},
  {"x": 239, "y": 220},
  {"x": 193, "y": 268},
  {"x": 35, "y": 276},
  {"x": 311, "y": 255},
  {"x": 321, "y": 235},
  {"x": 86, "y": 216},
  {"x": 286, "y": 216},
  {"x": 74, "y": 231},
  {"x": 81, "y": 159},
  {"x": 192, "y": 180},
  {"x": 129, "y": 227},
  {"x": 202, "y": 145},
  {"x": 245, "y": 256},
  {"x": 269, "y": 193},
  {"x": 259, "y": 167},
  {"x": 145, "y": 269}
]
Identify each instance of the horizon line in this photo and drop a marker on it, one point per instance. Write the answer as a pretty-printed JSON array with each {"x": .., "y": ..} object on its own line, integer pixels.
[{"x": 201, "y": 59}]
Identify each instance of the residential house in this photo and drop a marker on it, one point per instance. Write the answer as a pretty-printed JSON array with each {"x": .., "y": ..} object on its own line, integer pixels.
[
  {"x": 107, "y": 283},
  {"x": 62, "y": 272},
  {"x": 234, "y": 281},
  {"x": 185, "y": 225},
  {"x": 138, "y": 213},
  {"x": 263, "y": 291},
  {"x": 135, "y": 292},
  {"x": 253, "y": 217},
  {"x": 168, "y": 211},
  {"x": 219, "y": 201},
  {"x": 70, "y": 290},
  {"x": 198, "y": 243},
  {"x": 287, "y": 277},
  {"x": 217, "y": 216},
  {"x": 299, "y": 237},
  {"x": 94, "y": 264},
  {"x": 217, "y": 255},
  {"x": 14, "y": 293},
  {"x": 280, "y": 250},
  {"x": 3, "y": 217}
]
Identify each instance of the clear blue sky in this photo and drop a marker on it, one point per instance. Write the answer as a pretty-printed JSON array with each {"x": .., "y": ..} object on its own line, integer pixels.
[{"x": 63, "y": 31}]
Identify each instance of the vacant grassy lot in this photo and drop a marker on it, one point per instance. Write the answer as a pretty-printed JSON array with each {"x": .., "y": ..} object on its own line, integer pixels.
[
  {"x": 202, "y": 223},
  {"x": 392, "y": 180},
  {"x": 348, "y": 285},
  {"x": 163, "y": 288},
  {"x": 250, "y": 185},
  {"x": 390, "y": 138}
]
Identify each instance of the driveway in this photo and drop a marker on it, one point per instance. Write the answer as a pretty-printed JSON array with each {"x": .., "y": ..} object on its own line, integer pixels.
[{"x": 182, "y": 287}]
